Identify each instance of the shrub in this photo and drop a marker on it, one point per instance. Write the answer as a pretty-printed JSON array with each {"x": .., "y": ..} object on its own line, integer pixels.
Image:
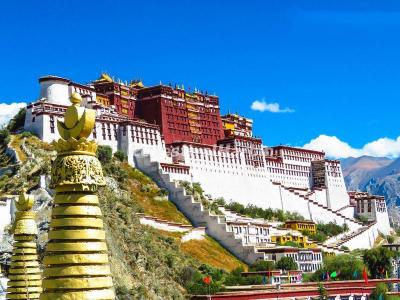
[
  {"x": 318, "y": 236},
  {"x": 258, "y": 212},
  {"x": 322, "y": 292},
  {"x": 197, "y": 188},
  {"x": 104, "y": 154},
  {"x": 196, "y": 285},
  {"x": 291, "y": 244},
  {"x": 163, "y": 192},
  {"x": 236, "y": 278},
  {"x": 362, "y": 219},
  {"x": 390, "y": 239},
  {"x": 380, "y": 292},
  {"x": 26, "y": 134},
  {"x": 331, "y": 229},
  {"x": 121, "y": 156},
  {"x": 145, "y": 188}
]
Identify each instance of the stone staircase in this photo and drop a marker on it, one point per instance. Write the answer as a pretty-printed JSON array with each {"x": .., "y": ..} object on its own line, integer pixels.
[
  {"x": 348, "y": 237},
  {"x": 163, "y": 224},
  {"x": 199, "y": 216},
  {"x": 334, "y": 243},
  {"x": 329, "y": 211}
]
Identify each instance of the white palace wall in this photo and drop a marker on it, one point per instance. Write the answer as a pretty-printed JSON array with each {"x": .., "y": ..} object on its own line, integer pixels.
[
  {"x": 224, "y": 174},
  {"x": 41, "y": 119},
  {"x": 319, "y": 195}
]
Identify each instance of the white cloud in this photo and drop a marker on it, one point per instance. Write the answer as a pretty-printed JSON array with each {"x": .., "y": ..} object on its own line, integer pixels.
[
  {"x": 273, "y": 107},
  {"x": 7, "y": 111},
  {"x": 335, "y": 148}
]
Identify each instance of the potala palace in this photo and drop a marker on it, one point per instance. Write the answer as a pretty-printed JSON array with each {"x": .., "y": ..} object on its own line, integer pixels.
[{"x": 173, "y": 134}]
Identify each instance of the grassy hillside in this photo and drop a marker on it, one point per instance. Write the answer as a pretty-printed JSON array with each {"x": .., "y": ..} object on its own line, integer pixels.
[
  {"x": 146, "y": 263},
  {"x": 208, "y": 251}
]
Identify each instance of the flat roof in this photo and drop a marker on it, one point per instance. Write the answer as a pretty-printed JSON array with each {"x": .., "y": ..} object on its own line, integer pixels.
[{"x": 298, "y": 149}]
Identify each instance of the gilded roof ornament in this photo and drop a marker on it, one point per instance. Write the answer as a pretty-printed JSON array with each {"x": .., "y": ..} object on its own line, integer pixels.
[
  {"x": 136, "y": 84},
  {"x": 104, "y": 77}
]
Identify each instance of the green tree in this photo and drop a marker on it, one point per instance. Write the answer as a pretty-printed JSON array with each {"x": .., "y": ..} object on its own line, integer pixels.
[
  {"x": 346, "y": 265},
  {"x": 104, "y": 154},
  {"x": 286, "y": 263},
  {"x": 378, "y": 261},
  {"x": 263, "y": 265}
]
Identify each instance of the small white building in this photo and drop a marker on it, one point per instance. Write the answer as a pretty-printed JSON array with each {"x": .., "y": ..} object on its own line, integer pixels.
[
  {"x": 308, "y": 260},
  {"x": 250, "y": 231}
]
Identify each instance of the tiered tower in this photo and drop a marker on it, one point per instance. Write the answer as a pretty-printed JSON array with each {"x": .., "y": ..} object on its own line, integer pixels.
[
  {"x": 25, "y": 277},
  {"x": 76, "y": 264}
]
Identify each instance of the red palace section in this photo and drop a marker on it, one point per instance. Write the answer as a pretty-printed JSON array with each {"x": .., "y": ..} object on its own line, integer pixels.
[{"x": 182, "y": 116}]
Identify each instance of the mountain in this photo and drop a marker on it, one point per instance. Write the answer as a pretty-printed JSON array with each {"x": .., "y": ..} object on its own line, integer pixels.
[
  {"x": 358, "y": 171},
  {"x": 376, "y": 175}
]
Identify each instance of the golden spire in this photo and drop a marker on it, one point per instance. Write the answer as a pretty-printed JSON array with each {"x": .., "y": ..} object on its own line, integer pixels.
[
  {"x": 76, "y": 262},
  {"x": 24, "y": 274}
]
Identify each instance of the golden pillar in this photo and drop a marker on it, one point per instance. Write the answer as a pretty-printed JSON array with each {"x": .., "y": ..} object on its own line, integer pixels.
[
  {"x": 76, "y": 265},
  {"x": 25, "y": 278}
]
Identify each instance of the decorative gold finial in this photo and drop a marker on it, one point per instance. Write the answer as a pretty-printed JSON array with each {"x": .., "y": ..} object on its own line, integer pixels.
[
  {"x": 78, "y": 121},
  {"x": 24, "y": 274},
  {"x": 75, "y": 98},
  {"x": 25, "y": 202},
  {"x": 76, "y": 264}
]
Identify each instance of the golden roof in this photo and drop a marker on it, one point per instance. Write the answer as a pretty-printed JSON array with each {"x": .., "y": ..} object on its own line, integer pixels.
[
  {"x": 104, "y": 77},
  {"x": 136, "y": 84}
]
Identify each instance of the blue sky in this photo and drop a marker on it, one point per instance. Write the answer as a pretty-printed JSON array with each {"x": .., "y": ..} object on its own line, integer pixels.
[{"x": 333, "y": 67}]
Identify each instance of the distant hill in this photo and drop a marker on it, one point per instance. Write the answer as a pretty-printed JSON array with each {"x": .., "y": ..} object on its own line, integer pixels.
[
  {"x": 377, "y": 175},
  {"x": 358, "y": 171}
]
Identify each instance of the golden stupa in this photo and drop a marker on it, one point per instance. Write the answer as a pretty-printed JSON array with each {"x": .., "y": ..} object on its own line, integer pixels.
[
  {"x": 76, "y": 265},
  {"x": 25, "y": 278}
]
